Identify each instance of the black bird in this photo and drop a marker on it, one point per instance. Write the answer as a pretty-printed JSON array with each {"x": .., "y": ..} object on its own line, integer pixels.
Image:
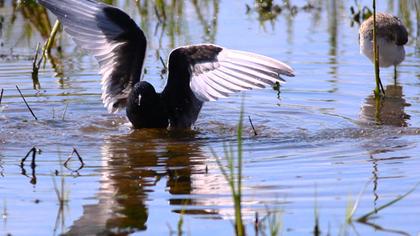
[{"x": 197, "y": 73}]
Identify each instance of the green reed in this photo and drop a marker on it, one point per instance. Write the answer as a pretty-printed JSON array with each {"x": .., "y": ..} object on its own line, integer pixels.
[
  {"x": 180, "y": 223},
  {"x": 379, "y": 91},
  {"x": 233, "y": 173},
  {"x": 46, "y": 51},
  {"x": 274, "y": 222},
  {"x": 364, "y": 219}
]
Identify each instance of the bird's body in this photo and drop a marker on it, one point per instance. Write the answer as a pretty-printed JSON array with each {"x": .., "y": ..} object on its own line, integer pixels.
[
  {"x": 197, "y": 73},
  {"x": 391, "y": 37}
]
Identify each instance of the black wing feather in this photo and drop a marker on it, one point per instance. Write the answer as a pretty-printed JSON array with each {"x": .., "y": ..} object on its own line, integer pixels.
[
  {"x": 112, "y": 37},
  {"x": 206, "y": 72}
]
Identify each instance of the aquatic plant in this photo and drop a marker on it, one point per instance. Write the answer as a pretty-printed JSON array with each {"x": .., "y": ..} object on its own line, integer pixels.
[
  {"x": 364, "y": 218},
  {"x": 62, "y": 194},
  {"x": 379, "y": 91},
  {"x": 64, "y": 112},
  {"x": 46, "y": 50},
  {"x": 252, "y": 126},
  {"x": 317, "y": 230},
  {"x": 360, "y": 14},
  {"x": 34, "y": 151},
  {"x": 82, "y": 163},
  {"x": 1, "y": 95},
  {"x": 46, "y": 54},
  {"x": 272, "y": 223},
  {"x": 60, "y": 191},
  {"x": 27, "y": 105},
  {"x": 181, "y": 222},
  {"x": 268, "y": 10},
  {"x": 234, "y": 178},
  {"x": 352, "y": 205},
  {"x": 35, "y": 69},
  {"x": 36, "y": 15}
]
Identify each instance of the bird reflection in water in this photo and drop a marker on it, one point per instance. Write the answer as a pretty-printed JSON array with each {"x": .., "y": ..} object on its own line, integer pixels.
[
  {"x": 388, "y": 110},
  {"x": 133, "y": 165}
]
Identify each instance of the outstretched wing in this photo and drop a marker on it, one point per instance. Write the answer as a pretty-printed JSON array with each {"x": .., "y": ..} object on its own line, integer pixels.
[
  {"x": 112, "y": 37},
  {"x": 215, "y": 72}
]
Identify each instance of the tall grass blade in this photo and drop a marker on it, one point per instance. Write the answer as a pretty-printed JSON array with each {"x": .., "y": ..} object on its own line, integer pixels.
[
  {"x": 352, "y": 210},
  {"x": 27, "y": 105},
  {"x": 365, "y": 217},
  {"x": 234, "y": 178}
]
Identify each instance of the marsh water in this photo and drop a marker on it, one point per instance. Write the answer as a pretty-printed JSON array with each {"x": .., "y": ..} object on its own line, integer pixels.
[{"x": 320, "y": 141}]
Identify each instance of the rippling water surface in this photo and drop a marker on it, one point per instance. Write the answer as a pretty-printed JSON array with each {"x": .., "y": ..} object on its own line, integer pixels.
[{"x": 320, "y": 141}]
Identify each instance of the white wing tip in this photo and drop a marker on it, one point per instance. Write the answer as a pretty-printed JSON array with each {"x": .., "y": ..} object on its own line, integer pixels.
[
  {"x": 285, "y": 69},
  {"x": 280, "y": 67}
]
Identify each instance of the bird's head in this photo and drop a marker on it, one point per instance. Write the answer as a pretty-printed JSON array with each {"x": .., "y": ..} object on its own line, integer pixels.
[{"x": 145, "y": 108}]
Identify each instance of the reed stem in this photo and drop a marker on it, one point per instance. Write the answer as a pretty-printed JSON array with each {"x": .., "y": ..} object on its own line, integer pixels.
[
  {"x": 27, "y": 105},
  {"x": 379, "y": 91},
  {"x": 46, "y": 51},
  {"x": 1, "y": 95}
]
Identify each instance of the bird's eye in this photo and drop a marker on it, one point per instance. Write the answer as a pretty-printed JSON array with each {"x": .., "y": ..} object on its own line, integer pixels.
[{"x": 139, "y": 99}]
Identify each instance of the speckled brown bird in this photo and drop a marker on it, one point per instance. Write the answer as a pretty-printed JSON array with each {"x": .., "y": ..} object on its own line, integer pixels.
[{"x": 391, "y": 38}]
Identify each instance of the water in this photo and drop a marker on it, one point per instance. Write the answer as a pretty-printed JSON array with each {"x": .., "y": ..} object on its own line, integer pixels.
[{"x": 319, "y": 143}]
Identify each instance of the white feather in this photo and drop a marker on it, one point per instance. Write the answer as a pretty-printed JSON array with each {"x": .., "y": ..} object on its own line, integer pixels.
[
  {"x": 232, "y": 71},
  {"x": 389, "y": 53}
]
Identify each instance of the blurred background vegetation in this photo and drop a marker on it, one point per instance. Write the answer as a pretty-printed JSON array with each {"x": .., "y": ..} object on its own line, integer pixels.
[{"x": 171, "y": 23}]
